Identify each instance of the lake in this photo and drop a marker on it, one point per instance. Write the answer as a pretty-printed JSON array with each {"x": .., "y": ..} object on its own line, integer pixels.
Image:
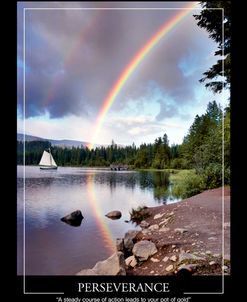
[{"x": 53, "y": 247}]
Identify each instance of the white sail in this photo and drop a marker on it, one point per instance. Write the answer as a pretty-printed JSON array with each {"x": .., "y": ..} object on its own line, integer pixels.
[
  {"x": 53, "y": 161},
  {"x": 47, "y": 160}
]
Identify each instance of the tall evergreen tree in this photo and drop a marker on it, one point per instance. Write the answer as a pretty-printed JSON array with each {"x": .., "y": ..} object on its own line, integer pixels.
[{"x": 212, "y": 20}]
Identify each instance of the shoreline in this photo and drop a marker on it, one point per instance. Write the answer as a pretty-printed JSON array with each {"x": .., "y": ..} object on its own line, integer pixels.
[{"x": 187, "y": 236}]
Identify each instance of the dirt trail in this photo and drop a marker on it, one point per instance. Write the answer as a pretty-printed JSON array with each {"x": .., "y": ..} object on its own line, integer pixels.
[{"x": 195, "y": 226}]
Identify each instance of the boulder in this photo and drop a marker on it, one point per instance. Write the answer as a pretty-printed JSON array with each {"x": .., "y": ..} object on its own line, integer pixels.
[
  {"x": 128, "y": 239},
  {"x": 114, "y": 215},
  {"x": 113, "y": 266},
  {"x": 73, "y": 218},
  {"x": 144, "y": 249}
]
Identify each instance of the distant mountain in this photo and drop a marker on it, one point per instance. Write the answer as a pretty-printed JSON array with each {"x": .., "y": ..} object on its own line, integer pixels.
[{"x": 54, "y": 142}]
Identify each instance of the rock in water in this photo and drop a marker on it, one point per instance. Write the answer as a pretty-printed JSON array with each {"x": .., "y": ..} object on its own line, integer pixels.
[
  {"x": 114, "y": 215},
  {"x": 114, "y": 265},
  {"x": 73, "y": 218},
  {"x": 144, "y": 249}
]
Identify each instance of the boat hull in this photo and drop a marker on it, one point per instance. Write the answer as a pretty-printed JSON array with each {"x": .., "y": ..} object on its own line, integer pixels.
[{"x": 48, "y": 167}]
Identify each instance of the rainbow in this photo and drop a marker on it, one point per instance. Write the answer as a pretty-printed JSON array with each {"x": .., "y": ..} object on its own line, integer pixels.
[
  {"x": 103, "y": 227},
  {"x": 133, "y": 64}
]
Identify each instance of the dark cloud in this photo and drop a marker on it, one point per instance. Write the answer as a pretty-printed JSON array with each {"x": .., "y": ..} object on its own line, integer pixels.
[{"x": 73, "y": 58}]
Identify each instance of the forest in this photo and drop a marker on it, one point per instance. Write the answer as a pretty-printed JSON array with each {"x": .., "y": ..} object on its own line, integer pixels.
[{"x": 200, "y": 150}]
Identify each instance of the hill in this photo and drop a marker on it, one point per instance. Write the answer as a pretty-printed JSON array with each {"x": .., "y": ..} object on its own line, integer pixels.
[{"x": 60, "y": 143}]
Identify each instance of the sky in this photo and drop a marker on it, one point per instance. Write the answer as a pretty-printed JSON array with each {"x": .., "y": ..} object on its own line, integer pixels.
[{"x": 73, "y": 58}]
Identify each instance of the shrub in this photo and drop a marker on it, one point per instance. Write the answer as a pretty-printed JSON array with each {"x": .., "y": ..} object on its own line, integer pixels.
[
  {"x": 192, "y": 184},
  {"x": 212, "y": 176}
]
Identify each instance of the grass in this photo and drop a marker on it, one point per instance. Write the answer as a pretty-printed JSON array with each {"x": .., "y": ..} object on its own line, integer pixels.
[
  {"x": 179, "y": 175},
  {"x": 186, "y": 183},
  {"x": 172, "y": 171}
]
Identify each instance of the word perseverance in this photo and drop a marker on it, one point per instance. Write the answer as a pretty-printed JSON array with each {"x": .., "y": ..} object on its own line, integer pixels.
[{"x": 123, "y": 287}]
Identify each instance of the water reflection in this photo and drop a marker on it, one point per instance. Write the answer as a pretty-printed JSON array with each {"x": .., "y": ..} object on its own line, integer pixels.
[{"x": 53, "y": 247}]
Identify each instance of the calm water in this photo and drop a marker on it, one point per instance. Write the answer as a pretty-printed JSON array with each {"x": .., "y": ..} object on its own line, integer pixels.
[{"x": 56, "y": 248}]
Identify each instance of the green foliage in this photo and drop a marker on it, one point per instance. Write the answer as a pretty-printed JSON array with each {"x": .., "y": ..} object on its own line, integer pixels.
[
  {"x": 212, "y": 176},
  {"x": 203, "y": 146},
  {"x": 211, "y": 20},
  {"x": 188, "y": 185},
  {"x": 179, "y": 163},
  {"x": 33, "y": 151}
]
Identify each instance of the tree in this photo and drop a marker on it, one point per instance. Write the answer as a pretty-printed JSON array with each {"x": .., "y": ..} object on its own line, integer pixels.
[{"x": 211, "y": 20}]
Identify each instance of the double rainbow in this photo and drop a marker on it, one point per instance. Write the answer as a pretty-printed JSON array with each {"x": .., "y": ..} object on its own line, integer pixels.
[{"x": 133, "y": 64}]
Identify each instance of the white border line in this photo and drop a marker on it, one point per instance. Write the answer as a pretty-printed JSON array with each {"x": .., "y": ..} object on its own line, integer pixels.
[
  {"x": 24, "y": 152},
  {"x": 223, "y": 151},
  {"x": 223, "y": 169},
  {"x": 24, "y": 127},
  {"x": 24, "y": 168},
  {"x": 118, "y": 8}
]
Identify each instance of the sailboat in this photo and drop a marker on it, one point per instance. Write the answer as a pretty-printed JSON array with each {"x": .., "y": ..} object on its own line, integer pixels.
[{"x": 47, "y": 162}]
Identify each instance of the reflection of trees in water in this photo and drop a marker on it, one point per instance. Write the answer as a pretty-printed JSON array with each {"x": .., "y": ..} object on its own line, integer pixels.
[
  {"x": 112, "y": 182},
  {"x": 115, "y": 179},
  {"x": 158, "y": 182}
]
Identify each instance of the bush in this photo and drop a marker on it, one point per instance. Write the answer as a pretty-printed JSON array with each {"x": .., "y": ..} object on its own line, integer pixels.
[
  {"x": 212, "y": 176},
  {"x": 192, "y": 184}
]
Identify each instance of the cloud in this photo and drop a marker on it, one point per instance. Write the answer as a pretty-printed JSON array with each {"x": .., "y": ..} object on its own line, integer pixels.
[{"x": 73, "y": 58}]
